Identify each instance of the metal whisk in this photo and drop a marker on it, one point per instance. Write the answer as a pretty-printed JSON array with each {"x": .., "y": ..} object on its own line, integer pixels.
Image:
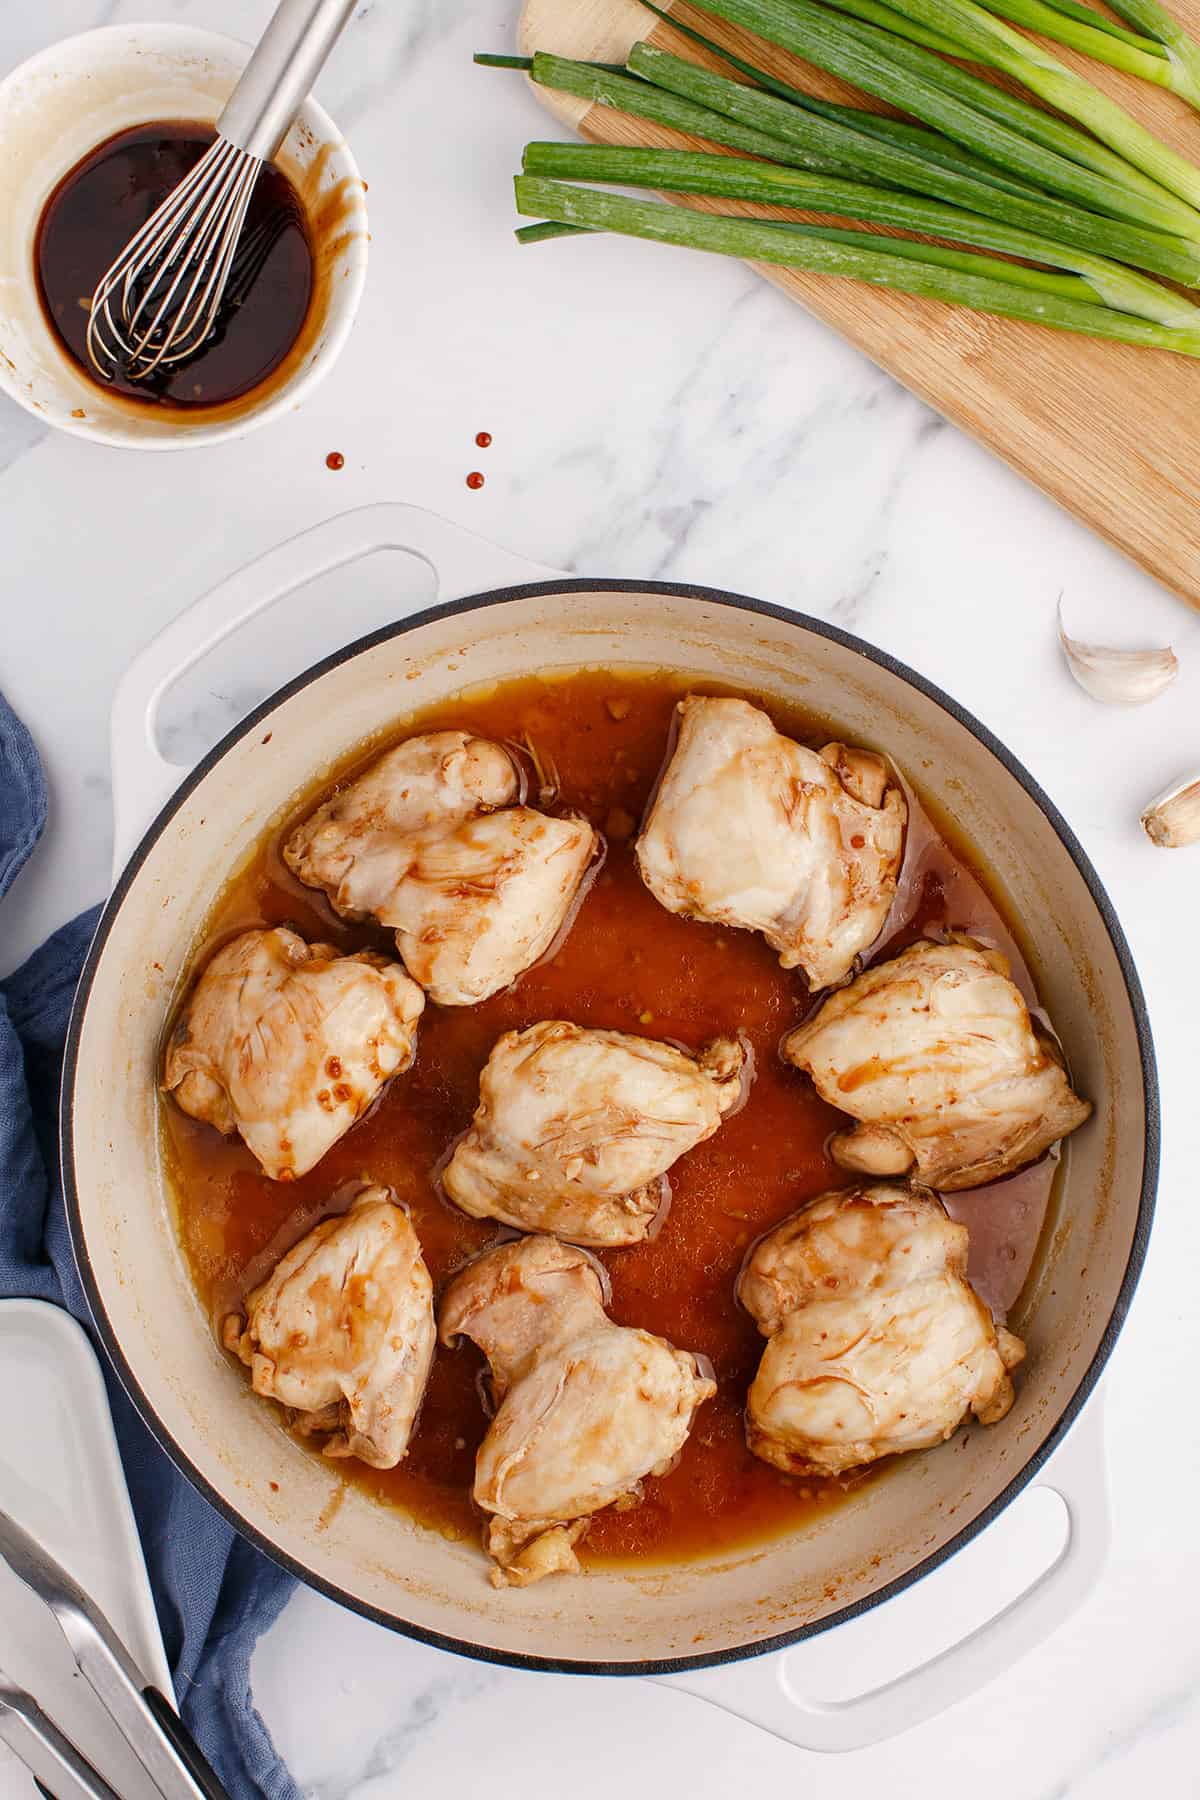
[{"x": 160, "y": 300}]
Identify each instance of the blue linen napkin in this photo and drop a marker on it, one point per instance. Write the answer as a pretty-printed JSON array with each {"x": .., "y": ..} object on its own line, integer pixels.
[{"x": 214, "y": 1593}]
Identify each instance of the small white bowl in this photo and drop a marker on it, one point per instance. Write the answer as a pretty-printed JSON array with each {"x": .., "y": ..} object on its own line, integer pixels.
[{"x": 60, "y": 105}]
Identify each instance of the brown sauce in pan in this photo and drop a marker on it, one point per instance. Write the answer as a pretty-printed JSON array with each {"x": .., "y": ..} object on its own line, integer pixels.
[{"x": 630, "y": 965}]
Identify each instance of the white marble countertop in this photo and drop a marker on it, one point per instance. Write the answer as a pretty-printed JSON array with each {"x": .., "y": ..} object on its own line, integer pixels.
[{"x": 652, "y": 415}]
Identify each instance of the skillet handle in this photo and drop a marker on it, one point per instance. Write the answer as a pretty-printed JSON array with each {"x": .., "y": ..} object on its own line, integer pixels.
[
  {"x": 143, "y": 780},
  {"x": 766, "y": 1691}
]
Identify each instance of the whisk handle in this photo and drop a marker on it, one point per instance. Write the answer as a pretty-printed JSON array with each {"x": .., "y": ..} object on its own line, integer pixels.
[{"x": 281, "y": 73}]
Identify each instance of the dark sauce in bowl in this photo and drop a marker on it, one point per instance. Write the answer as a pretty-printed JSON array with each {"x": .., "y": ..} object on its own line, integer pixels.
[{"x": 107, "y": 197}]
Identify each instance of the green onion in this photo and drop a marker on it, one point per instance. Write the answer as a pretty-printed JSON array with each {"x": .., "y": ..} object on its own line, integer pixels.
[
  {"x": 1087, "y": 16},
  {"x": 1068, "y": 287},
  {"x": 898, "y": 165},
  {"x": 1045, "y": 281},
  {"x": 1120, "y": 49},
  {"x": 823, "y": 39},
  {"x": 537, "y": 234},
  {"x": 860, "y": 156},
  {"x": 1181, "y": 48},
  {"x": 918, "y": 140},
  {"x": 625, "y": 94},
  {"x": 484, "y": 60},
  {"x": 886, "y": 18},
  {"x": 763, "y": 242},
  {"x": 1052, "y": 81},
  {"x": 939, "y": 150},
  {"x": 729, "y": 178},
  {"x": 874, "y": 10},
  {"x": 1010, "y": 109}
]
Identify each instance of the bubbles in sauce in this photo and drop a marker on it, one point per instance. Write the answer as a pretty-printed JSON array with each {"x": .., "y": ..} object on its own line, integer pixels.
[
  {"x": 97, "y": 208},
  {"x": 632, "y": 966}
]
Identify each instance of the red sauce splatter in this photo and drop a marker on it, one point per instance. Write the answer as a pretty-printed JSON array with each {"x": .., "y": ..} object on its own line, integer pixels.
[
  {"x": 483, "y": 439},
  {"x": 335, "y": 460},
  {"x": 475, "y": 479}
]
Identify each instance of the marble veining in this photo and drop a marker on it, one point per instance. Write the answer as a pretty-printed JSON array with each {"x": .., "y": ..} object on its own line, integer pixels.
[{"x": 662, "y": 415}]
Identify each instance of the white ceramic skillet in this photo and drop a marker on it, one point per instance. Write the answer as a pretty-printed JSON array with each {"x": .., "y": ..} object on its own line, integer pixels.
[{"x": 696, "y": 1624}]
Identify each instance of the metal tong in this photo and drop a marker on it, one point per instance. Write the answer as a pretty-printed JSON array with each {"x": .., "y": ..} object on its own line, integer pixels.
[{"x": 144, "y": 1717}]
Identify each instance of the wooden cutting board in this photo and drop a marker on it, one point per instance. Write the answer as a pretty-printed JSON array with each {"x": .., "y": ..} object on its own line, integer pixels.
[{"x": 1111, "y": 433}]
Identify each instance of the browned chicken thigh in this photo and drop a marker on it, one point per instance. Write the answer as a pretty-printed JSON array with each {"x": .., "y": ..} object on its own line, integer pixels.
[
  {"x": 750, "y": 828},
  {"x": 342, "y": 1332},
  {"x": 576, "y": 1129},
  {"x": 432, "y": 843},
  {"x": 877, "y": 1343},
  {"x": 585, "y": 1408},
  {"x": 936, "y": 1055},
  {"x": 288, "y": 1043}
]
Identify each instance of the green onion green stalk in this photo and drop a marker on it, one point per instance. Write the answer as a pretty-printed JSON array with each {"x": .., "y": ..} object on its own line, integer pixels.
[
  {"x": 1085, "y": 30},
  {"x": 1181, "y": 49},
  {"x": 765, "y": 242},
  {"x": 776, "y": 118},
  {"x": 976, "y": 31},
  {"x": 624, "y": 93},
  {"x": 862, "y": 58},
  {"x": 1068, "y": 287},
  {"x": 827, "y": 147},
  {"x": 1009, "y": 109},
  {"x": 930, "y": 144},
  {"x": 727, "y": 177}
]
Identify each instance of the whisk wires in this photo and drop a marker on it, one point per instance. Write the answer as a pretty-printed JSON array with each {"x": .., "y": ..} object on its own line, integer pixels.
[{"x": 160, "y": 301}]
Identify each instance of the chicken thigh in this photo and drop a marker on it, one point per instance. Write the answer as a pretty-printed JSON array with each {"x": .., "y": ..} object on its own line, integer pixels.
[
  {"x": 877, "y": 1343},
  {"x": 342, "y": 1333},
  {"x": 586, "y": 1408},
  {"x": 355, "y": 845},
  {"x": 479, "y": 905},
  {"x": 936, "y": 1055},
  {"x": 288, "y": 1043},
  {"x": 431, "y": 842},
  {"x": 576, "y": 1129},
  {"x": 752, "y": 829}
]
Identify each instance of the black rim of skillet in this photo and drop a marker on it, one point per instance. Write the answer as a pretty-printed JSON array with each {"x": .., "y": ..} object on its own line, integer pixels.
[{"x": 757, "y": 1646}]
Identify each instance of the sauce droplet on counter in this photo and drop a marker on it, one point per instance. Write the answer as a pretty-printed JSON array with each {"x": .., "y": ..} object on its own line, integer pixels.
[
  {"x": 335, "y": 460},
  {"x": 484, "y": 439},
  {"x": 475, "y": 479},
  {"x": 108, "y": 196}
]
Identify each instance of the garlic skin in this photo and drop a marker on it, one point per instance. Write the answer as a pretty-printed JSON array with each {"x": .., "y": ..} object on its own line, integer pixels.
[
  {"x": 1173, "y": 819},
  {"x": 1118, "y": 677}
]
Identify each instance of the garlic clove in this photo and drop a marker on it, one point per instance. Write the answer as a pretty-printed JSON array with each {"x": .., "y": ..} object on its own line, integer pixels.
[
  {"x": 1118, "y": 677},
  {"x": 1173, "y": 820}
]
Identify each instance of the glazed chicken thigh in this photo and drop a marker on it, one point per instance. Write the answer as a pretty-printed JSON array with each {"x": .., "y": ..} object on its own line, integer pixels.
[
  {"x": 355, "y": 845},
  {"x": 342, "y": 1332},
  {"x": 576, "y": 1129},
  {"x": 877, "y": 1343},
  {"x": 431, "y": 842},
  {"x": 936, "y": 1055},
  {"x": 288, "y": 1043},
  {"x": 480, "y": 904},
  {"x": 752, "y": 829},
  {"x": 585, "y": 1408}
]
